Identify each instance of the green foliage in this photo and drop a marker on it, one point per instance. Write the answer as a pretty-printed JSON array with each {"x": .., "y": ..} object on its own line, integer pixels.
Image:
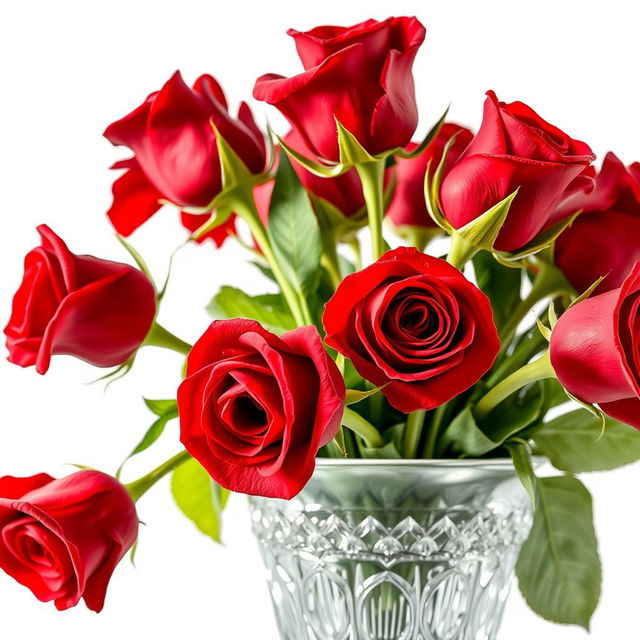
[
  {"x": 199, "y": 498},
  {"x": 575, "y": 443},
  {"x": 269, "y": 310},
  {"x": 559, "y": 567},
  {"x": 294, "y": 231}
]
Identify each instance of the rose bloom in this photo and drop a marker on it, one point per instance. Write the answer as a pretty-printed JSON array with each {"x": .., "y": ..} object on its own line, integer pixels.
[
  {"x": 415, "y": 324},
  {"x": 63, "y": 538},
  {"x": 361, "y": 75},
  {"x": 595, "y": 350},
  {"x": 255, "y": 408},
  {"x": 96, "y": 310},
  {"x": 605, "y": 239},
  {"x": 408, "y": 207},
  {"x": 176, "y": 156},
  {"x": 514, "y": 149}
]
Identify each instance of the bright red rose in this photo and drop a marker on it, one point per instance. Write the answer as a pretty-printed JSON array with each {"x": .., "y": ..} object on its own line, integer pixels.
[
  {"x": 514, "y": 148},
  {"x": 605, "y": 239},
  {"x": 97, "y": 310},
  {"x": 361, "y": 75},
  {"x": 595, "y": 350},
  {"x": 255, "y": 408},
  {"x": 408, "y": 206},
  {"x": 193, "y": 221},
  {"x": 176, "y": 156},
  {"x": 63, "y": 538},
  {"x": 414, "y": 323}
]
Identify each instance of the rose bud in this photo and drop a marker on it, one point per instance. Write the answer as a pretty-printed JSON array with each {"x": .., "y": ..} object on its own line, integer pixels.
[
  {"x": 255, "y": 408},
  {"x": 514, "y": 149},
  {"x": 408, "y": 207},
  {"x": 176, "y": 155},
  {"x": 605, "y": 239},
  {"x": 416, "y": 325},
  {"x": 595, "y": 350},
  {"x": 97, "y": 310},
  {"x": 62, "y": 539},
  {"x": 361, "y": 75}
]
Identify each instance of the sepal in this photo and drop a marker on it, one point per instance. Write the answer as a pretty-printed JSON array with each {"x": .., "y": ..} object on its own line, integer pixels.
[{"x": 428, "y": 139}]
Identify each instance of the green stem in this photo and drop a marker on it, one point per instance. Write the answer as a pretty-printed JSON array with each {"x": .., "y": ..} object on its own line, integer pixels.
[
  {"x": 244, "y": 205},
  {"x": 412, "y": 433},
  {"x": 461, "y": 251},
  {"x": 158, "y": 336},
  {"x": 331, "y": 262},
  {"x": 537, "y": 370},
  {"x": 361, "y": 427},
  {"x": 372, "y": 179},
  {"x": 549, "y": 282},
  {"x": 139, "y": 487},
  {"x": 434, "y": 431},
  {"x": 529, "y": 345},
  {"x": 354, "y": 243}
]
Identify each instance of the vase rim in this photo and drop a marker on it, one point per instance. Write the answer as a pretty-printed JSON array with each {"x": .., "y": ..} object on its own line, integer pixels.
[{"x": 485, "y": 463}]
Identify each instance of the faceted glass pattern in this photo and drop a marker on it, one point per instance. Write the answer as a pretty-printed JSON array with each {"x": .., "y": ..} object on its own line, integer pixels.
[{"x": 394, "y": 550}]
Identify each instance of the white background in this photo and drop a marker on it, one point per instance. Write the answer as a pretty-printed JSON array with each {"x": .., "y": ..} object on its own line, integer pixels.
[{"x": 69, "y": 69}]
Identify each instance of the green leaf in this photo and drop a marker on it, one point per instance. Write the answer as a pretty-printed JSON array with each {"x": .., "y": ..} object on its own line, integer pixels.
[
  {"x": 483, "y": 231},
  {"x": 392, "y": 446},
  {"x": 160, "y": 407},
  {"x": 500, "y": 283},
  {"x": 354, "y": 395},
  {"x": 574, "y": 442},
  {"x": 559, "y": 568},
  {"x": 521, "y": 455},
  {"x": 464, "y": 436},
  {"x": 199, "y": 498},
  {"x": 294, "y": 231},
  {"x": 269, "y": 309},
  {"x": 167, "y": 410}
]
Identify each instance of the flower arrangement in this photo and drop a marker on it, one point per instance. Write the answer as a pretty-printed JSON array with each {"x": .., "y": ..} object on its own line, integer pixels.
[{"x": 385, "y": 353}]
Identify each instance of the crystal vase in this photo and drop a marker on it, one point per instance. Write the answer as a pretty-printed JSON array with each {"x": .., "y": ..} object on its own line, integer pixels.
[{"x": 394, "y": 550}]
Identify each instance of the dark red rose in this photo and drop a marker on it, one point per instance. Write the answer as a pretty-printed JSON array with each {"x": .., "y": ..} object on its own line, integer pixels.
[
  {"x": 361, "y": 75},
  {"x": 255, "y": 408},
  {"x": 605, "y": 239},
  {"x": 97, "y": 310},
  {"x": 414, "y": 323},
  {"x": 176, "y": 157},
  {"x": 595, "y": 350},
  {"x": 63, "y": 538},
  {"x": 408, "y": 206},
  {"x": 514, "y": 148}
]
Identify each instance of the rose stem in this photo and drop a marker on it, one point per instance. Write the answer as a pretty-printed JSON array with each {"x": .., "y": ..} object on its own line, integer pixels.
[
  {"x": 354, "y": 243},
  {"x": 461, "y": 251},
  {"x": 139, "y": 487},
  {"x": 244, "y": 205},
  {"x": 537, "y": 370},
  {"x": 434, "y": 431},
  {"x": 361, "y": 427},
  {"x": 330, "y": 260},
  {"x": 549, "y": 282},
  {"x": 372, "y": 179},
  {"x": 412, "y": 433},
  {"x": 158, "y": 336}
]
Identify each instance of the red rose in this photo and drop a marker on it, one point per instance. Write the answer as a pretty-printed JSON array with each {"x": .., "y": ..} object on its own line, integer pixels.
[
  {"x": 97, "y": 310},
  {"x": 255, "y": 408},
  {"x": 605, "y": 239},
  {"x": 176, "y": 157},
  {"x": 514, "y": 148},
  {"x": 414, "y": 323},
  {"x": 408, "y": 206},
  {"x": 63, "y": 538},
  {"x": 360, "y": 75},
  {"x": 595, "y": 350}
]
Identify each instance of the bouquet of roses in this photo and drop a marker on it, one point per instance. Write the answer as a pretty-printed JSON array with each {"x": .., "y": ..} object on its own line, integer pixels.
[{"x": 397, "y": 354}]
